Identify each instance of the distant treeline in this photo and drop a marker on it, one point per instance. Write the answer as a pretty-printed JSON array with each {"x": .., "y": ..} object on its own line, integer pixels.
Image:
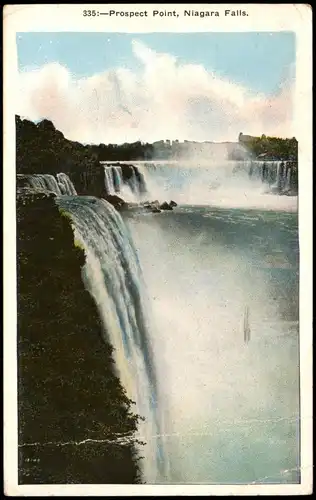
[
  {"x": 272, "y": 147},
  {"x": 41, "y": 148}
]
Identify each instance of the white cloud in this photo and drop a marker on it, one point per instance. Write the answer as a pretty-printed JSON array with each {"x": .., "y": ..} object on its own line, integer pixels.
[{"x": 165, "y": 99}]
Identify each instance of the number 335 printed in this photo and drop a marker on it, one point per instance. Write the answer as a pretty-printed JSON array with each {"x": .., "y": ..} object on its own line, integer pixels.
[{"x": 89, "y": 13}]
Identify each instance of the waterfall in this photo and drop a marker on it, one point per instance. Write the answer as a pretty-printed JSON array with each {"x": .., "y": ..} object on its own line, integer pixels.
[
  {"x": 47, "y": 182},
  {"x": 279, "y": 175},
  {"x": 33, "y": 181},
  {"x": 108, "y": 181},
  {"x": 117, "y": 178},
  {"x": 287, "y": 186},
  {"x": 230, "y": 183},
  {"x": 213, "y": 296},
  {"x": 141, "y": 182},
  {"x": 51, "y": 183},
  {"x": 133, "y": 182},
  {"x": 66, "y": 185},
  {"x": 199, "y": 265},
  {"x": 113, "y": 276},
  {"x": 129, "y": 185}
]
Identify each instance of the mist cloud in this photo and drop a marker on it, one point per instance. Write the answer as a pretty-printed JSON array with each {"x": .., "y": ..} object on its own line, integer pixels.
[{"x": 164, "y": 100}]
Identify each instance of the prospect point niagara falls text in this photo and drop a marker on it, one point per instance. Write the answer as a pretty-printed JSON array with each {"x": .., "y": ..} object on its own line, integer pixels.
[{"x": 166, "y": 13}]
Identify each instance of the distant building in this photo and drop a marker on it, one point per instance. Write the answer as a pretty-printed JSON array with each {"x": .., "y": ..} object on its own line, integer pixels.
[{"x": 245, "y": 138}]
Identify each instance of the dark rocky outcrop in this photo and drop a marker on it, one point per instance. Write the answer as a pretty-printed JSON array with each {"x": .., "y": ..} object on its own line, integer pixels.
[
  {"x": 26, "y": 196},
  {"x": 67, "y": 388},
  {"x": 41, "y": 149},
  {"x": 165, "y": 206},
  {"x": 155, "y": 210},
  {"x": 156, "y": 207},
  {"x": 151, "y": 206},
  {"x": 117, "y": 202}
]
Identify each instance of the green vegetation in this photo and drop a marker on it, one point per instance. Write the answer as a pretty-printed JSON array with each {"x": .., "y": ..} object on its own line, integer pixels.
[
  {"x": 78, "y": 244},
  {"x": 273, "y": 147},
  {"x": 43, "y": 149},
  {"x": 68, "y": 390},
  {"x": 65, "y": 214}
]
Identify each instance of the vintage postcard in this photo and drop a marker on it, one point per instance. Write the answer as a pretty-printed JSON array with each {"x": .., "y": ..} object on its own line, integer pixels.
[{"x": 157, "y": 249}]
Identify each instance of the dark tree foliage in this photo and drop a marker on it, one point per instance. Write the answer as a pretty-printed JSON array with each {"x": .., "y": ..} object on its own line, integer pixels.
[
  {"x": 274, "y": 147},
  {"x": 41, "y": 148},
  {"x": 68, "y": 390}
]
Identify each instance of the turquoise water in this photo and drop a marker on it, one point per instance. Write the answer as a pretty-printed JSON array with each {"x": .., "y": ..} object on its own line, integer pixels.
[{"x": 230, "y": 407}]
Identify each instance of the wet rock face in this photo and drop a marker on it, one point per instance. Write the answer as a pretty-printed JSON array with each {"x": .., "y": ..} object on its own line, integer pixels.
[
  {"x": 165, "y": 206},
  {"x": 43, "y": 149},
  {"x": 71, "y": 405},
  {"x": 27, "y": 196},
  {"x": 116, "y": 201},
  {"x": 155, "y": 210},
  {"x": 156, "y": 207}
]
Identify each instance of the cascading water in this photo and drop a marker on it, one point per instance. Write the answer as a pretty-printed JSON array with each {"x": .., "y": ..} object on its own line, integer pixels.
[
  {"x": 288, "y": 180},
  {"x": 66, "y": 185},
  {"x": 223, "y": 287},
  {"x": 131, "y": 188},
  {"x": 47, "y": 182},
  {"x": 216, "y": 408},
  {"x": 117, "y": 178},
  {"x": 108, "y": 181},
  {"x": 223, "y": 284},
  {"x": 240, "y": 184},
  {"x": 33, "y": 181},
  {"x": 133, "y": 182},
  {"x": 112, "y": 274},
  {"x": 279, "y": 176},
  {"x": 51, "y": 183},
  {"x": 200, "y": 183}
]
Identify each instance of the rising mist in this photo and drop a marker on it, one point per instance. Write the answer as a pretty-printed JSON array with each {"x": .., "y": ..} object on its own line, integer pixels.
[{"x": 166, "y": 99}]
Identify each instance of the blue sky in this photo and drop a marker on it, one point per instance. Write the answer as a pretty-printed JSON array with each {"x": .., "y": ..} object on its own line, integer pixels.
[
  {"x": 239, "y": 82},
  {"x": 259, "y": 61}
]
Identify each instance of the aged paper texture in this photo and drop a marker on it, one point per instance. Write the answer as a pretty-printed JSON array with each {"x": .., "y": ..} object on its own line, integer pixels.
[{"x": 157, "y": 249}]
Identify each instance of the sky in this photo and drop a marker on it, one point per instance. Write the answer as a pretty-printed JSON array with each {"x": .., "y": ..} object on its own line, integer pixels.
[{"x": 117, "y": 87}]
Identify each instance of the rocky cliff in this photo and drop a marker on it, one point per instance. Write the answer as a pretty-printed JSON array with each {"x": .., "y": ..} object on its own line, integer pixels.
[
  {"x": 76, "y": 424},
  {"x": 41, "y": 149}
]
